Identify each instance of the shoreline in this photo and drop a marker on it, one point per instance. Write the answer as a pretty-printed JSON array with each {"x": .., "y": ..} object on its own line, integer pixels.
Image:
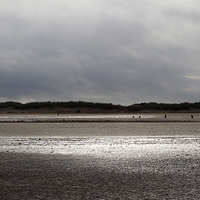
[
  {"x": 101, "y": 118},
  {"x": 102, "y": 121}
]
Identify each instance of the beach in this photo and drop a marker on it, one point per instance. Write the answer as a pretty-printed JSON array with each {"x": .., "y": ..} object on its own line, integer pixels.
[{"x": 100, "y": 160}]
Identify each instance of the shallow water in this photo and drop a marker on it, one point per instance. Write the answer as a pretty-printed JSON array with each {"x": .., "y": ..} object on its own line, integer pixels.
[
  {"x": 51, "y": 118},
  {"x": 171, "y": 117}
]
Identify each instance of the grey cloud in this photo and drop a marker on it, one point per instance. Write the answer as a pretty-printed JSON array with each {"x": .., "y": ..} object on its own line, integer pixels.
[
  {"x": 183, "y": 14},
  {"x": 108, "y": 53}
]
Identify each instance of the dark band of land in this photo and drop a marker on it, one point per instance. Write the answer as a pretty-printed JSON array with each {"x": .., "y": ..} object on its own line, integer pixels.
[{"x": 95, "y": 108}]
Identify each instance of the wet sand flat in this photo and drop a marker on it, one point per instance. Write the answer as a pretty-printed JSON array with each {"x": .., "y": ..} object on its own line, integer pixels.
[
  {"x": 99, "y": 161},
  {"x": 100, "y": 168},
  {"x": 98, "y": 129},
  {"x": 50, "y": 176}
]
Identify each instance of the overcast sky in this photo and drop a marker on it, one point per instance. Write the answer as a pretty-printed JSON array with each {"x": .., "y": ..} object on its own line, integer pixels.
[{"x": 114, "y": 51}]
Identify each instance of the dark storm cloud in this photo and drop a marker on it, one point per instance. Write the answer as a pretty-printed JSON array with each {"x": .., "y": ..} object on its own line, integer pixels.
[{"x": 106, "y": 51}]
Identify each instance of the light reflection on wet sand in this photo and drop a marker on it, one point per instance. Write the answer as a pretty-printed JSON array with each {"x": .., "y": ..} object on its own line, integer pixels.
[{"x": 108, "y": 147}]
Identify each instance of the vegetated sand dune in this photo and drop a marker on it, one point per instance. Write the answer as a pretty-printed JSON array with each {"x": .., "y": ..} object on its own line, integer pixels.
[{"x": 88, "y": 110}]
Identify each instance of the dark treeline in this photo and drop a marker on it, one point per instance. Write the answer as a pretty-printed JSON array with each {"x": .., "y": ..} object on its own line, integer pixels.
[
  {"x": 70, "y": 104},
  {"x": 108, "y": 106},
  {"x": 164, "y": 106}
]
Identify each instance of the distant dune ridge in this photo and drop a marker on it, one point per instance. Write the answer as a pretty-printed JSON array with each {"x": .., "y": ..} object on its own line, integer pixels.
[{"x": 90, "y": 107}]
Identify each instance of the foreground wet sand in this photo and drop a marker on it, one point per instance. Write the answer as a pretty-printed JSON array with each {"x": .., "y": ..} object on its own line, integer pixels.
[
  {"x": 100, "y": 161},
  {"x": 56, "y": 176}
]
